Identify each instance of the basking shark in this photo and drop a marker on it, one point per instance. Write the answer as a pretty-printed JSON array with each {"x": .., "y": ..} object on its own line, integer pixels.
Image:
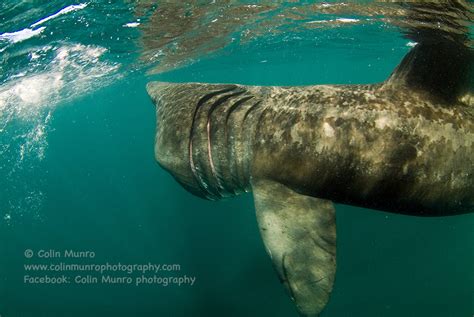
[{"x": 405, "y": 145}]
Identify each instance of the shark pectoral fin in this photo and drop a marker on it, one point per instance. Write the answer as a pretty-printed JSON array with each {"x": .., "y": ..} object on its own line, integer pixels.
[{"x": 299, "y": 233}]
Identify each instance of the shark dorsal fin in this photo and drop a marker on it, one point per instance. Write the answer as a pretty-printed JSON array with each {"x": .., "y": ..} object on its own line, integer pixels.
[
  {"x": 443, "y": 71},
  {"x": 441, "y": 63}
]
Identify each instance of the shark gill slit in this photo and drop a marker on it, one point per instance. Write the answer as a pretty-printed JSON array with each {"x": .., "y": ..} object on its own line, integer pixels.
[
  {"x": 224, "y": 164},
  {"x": 204, "y": 187},
  {"x": 230, "y": 153},
  {"x": 235, "y": 142},
  {"x": 220, "y": 101},
  {"x": 249, "y": 132},
  {"x": 245, "y": 168}
]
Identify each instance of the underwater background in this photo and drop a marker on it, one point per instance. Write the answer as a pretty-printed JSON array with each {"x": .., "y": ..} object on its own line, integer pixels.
[{"x": 77, "y": 166}]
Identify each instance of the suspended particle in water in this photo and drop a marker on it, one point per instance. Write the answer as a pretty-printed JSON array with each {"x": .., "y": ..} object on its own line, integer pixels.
[{"x": 7, "y": 218}]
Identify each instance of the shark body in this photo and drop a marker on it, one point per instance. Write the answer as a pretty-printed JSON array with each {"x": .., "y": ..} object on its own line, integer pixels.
[{"x": 405, "y": 145}]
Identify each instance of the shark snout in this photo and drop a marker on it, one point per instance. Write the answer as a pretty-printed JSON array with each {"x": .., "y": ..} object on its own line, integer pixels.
[{"x": 156, "y": 89}]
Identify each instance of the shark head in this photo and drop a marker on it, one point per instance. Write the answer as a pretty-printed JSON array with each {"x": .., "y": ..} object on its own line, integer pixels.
[
  {"x": 184, "y": 131},
  {"x": 173, "y": 121}
]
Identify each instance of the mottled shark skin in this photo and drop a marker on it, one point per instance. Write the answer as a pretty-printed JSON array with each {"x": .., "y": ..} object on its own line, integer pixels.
[
  {"x": 365, "y": 145},
  {"x": 405, "y": 146}
]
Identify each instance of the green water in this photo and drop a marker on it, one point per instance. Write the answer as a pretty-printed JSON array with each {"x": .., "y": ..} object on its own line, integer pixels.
[{"x": 91, "y": 183}]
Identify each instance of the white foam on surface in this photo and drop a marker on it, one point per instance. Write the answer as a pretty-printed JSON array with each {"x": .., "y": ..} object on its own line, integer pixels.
[
  {"x": 342, "y": 20},
  {"x": 346, "y": 20},
  {"x": 30, "y": 98},
  {"x": 65, "y": 10},
  {"x": 131, "y": 25},
  {"x": 19, "y": 36},
  {"x": 32, "y": 31}
]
